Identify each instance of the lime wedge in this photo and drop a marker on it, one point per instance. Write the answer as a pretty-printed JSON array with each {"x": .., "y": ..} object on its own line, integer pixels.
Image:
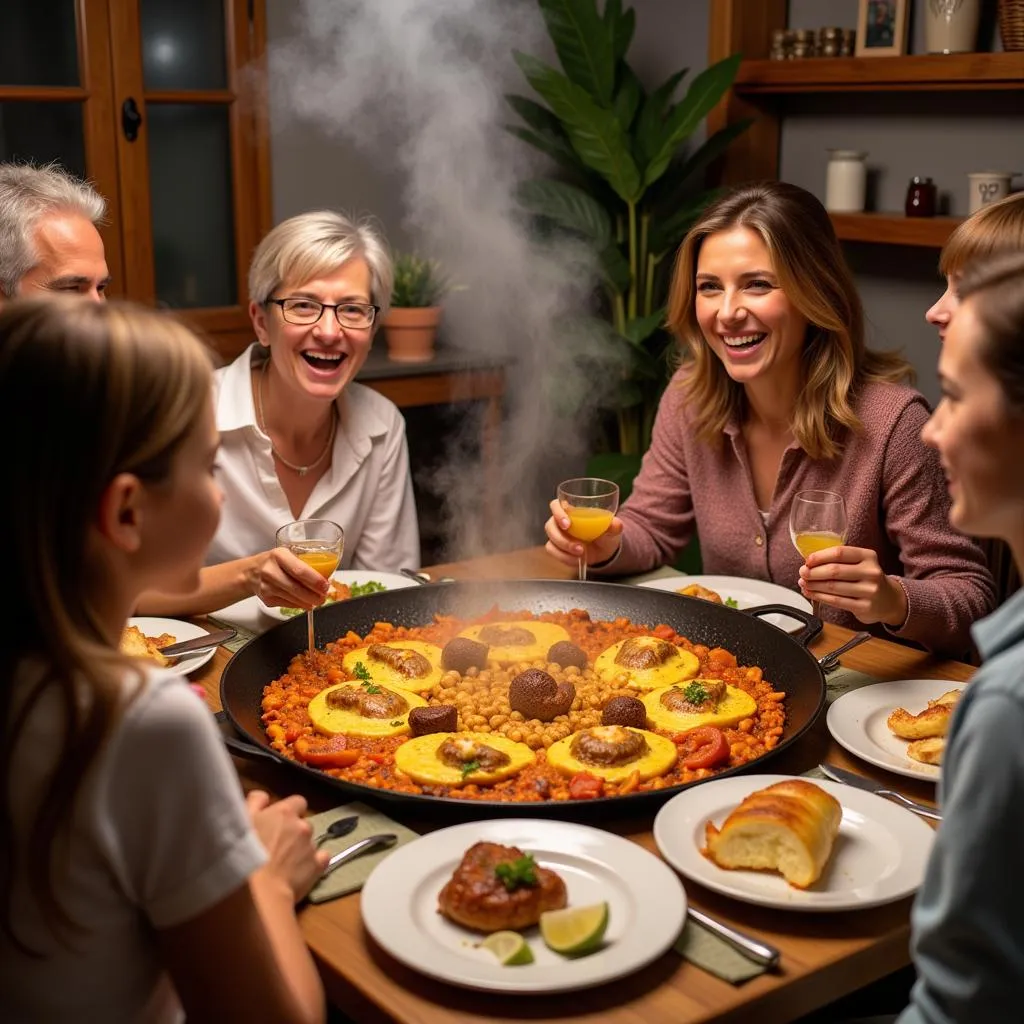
[
  {"x": 510, "y": 948},
  {"x": 575, "y": 930}
]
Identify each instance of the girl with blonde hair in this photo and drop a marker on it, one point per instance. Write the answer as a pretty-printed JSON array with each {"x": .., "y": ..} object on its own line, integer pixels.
[
  {"x": 136, "y": 883},
  {"x": 777, "y": 394}
]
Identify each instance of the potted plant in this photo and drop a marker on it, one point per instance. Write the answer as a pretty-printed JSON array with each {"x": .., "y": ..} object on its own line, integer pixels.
[
  {"x": 410, "y": 327},
  {"x": 626, "y": 186}
]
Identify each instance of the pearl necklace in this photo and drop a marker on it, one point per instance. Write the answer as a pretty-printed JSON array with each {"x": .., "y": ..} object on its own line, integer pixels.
[{"x": 262, "y": 424}]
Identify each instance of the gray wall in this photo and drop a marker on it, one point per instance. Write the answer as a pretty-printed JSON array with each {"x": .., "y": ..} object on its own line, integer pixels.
[{"x": 940, "y": 135}]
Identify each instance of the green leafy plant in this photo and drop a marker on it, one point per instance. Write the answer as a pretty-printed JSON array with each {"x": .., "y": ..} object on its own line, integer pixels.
[
  {"x": 627, "y": 188},
  {"x": 419, "y": 282}
]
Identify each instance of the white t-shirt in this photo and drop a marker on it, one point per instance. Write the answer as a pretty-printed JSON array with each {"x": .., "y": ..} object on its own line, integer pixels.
[
  {"x": 367, "y": 490},
  {"x": 160, "y": 834}
]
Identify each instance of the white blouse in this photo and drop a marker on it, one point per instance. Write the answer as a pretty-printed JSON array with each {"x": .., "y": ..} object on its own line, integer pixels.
[{"x": 367, "y": 490}]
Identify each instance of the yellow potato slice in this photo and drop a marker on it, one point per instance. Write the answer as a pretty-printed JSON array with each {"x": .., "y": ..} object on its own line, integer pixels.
[
  {"x": 385, "y": 675},
  {"x": 418, "y": 759},
  {"x": 334, "y": 721},
  {"x": 659, "y": 758},
  {"x": 679, "y": 667},
  {"x": 733, "y": 708}
]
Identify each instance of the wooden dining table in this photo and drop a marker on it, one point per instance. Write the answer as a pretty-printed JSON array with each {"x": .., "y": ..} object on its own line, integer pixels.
[{"x": 824, "y": 955}]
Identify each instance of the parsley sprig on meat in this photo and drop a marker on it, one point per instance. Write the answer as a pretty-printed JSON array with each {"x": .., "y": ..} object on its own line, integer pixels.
[
  {"x": 519, "y": 872},
  {"x": 468, "y": 767},
  {"x": 695, "y": 693},
  {"x": 365, "y": 679}
]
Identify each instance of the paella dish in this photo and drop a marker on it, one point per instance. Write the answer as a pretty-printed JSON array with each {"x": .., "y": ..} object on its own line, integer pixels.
[{"x": 525, "y": 708}]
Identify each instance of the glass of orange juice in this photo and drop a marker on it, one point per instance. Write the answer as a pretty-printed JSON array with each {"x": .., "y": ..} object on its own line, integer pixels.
[
  {"x": 317, "y": 542},
  {"x": 590, "y": 504},
  {"x": 817, "y": 520}
]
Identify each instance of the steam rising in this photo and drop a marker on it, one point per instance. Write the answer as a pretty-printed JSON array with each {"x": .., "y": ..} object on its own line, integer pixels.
[{"x": 419, "y": 83}]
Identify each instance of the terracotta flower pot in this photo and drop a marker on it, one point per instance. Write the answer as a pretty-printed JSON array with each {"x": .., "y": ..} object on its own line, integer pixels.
[{"x": 410, "y": 333}]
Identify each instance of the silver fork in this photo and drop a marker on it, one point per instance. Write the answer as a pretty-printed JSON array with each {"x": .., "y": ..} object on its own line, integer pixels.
[{"x": 830, "y": 662}]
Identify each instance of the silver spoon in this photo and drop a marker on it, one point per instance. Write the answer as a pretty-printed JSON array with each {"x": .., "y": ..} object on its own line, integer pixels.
[
  {"x": 337, "y": 829},
  {"x": 381, "y": 841}
]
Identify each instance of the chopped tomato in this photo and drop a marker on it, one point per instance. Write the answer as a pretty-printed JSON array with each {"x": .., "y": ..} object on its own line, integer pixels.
[
  {"x": 584, "y": 786},
  {"x": 720, "y": 658},
  {"x": 703, "y": 747},
  {"x": 331, "y": 754},
  {"x": 664, "y": 632}
]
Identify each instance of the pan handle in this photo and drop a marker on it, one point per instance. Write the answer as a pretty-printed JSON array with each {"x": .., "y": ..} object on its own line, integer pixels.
[
  {"x": 239, "y": 746},
  {"x": 812, "y": 624}
]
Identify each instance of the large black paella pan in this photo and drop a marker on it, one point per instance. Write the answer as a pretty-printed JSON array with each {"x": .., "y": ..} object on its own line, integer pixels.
[{"x": 783, "y": 657}]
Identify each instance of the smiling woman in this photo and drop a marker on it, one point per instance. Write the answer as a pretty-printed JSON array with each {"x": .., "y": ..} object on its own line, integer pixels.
[
  {"x": 777, "y": 394},
  {"x": 300, "y": 439}
]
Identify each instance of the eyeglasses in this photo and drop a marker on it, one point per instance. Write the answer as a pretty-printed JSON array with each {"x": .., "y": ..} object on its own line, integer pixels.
[{"x": 308, "y": 311}]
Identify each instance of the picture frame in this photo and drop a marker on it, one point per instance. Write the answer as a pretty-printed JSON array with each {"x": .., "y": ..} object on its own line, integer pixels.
[{"x": 882, "y": 28}]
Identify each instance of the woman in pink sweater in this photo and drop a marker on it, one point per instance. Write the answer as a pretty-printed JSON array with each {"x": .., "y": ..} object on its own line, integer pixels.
[{"x": 777, "y": 394}]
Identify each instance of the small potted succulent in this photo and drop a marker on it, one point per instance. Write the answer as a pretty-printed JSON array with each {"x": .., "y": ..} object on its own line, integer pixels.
[{"x": 410, "y": 326}]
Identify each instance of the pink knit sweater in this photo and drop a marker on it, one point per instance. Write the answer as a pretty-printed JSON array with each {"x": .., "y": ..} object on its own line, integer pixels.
[{"x": 896, "y": 503}]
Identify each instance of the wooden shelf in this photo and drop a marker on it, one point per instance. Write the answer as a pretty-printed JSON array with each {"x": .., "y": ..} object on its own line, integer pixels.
[
  {"x": 894, "y": 229},
  {"x": 927, "y": 72}
]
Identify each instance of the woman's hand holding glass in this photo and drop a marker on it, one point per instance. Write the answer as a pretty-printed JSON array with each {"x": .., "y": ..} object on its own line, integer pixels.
[
  {"x": 835, "y": 574},
  {"x": 583, "y": 528},
  {"x": 282, "y": 579},
  {"x": 851, "y": 579}
]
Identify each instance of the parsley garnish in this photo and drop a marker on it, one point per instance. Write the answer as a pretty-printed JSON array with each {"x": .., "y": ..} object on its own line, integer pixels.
[
  {"x": 521, "y": 871},
  {"x": 695, "y": 694},
  {"x": 397, "y": 721},
  {"x": 468, "y": 767},
  {"x": 731, "y": 602},
  {"x": 369, "y": 587},
  {"x": 366, "y": 680}
]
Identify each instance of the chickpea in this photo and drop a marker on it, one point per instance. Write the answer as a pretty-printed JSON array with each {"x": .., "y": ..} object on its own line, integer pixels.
[
  {"x": 516, "y": 735},
  {"x": 496, "y": 720},
  {"x": 534, "y": 741}
]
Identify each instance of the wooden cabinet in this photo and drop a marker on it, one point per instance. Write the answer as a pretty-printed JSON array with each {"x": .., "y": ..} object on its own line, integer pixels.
[
  {"x": 763, "y": 87},
  {"x": 156, "y": 102}
]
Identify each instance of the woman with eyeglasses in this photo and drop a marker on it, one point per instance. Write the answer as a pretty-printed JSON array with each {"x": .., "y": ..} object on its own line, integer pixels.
[{"x": 300, "y": 439}]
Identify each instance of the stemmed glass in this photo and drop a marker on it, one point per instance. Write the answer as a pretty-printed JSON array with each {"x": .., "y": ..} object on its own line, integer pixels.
[
  {"x": 817, "y": 520},
  {"x": 590, "y": 504},
  {"x": 317, "y": 542}
]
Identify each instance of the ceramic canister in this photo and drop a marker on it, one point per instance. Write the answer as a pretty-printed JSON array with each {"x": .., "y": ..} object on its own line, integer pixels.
[
  {"x": 845, "y": 181},
  {"x": 987, "y": 187},
  {"x": 951, "y": 26}
]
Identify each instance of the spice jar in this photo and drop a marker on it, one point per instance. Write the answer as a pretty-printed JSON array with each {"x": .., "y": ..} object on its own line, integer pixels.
[{"x": 921, "y": 198}]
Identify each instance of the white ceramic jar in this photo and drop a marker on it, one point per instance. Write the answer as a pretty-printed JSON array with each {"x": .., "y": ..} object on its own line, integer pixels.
[
  {"x": 987, "y": 187},
  {"x": 845, "y": 181},
  {"x": 951, "y": 26}
]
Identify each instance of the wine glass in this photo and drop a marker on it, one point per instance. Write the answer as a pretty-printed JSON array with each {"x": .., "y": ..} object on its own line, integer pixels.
[
  {"x": 817, "y": 520},
  {"x": 317, "y": 542},
  {"x": 590, "y": 504}
]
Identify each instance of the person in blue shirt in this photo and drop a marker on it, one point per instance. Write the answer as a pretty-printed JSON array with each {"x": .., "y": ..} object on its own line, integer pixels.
[{"x": 968, "y": 919}]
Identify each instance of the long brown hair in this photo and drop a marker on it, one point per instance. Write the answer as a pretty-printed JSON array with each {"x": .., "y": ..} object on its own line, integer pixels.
[
  {"x": 812, "y": 272},
  {"x": 87, "y": 391},
  {"x": 995, "y": 288}
]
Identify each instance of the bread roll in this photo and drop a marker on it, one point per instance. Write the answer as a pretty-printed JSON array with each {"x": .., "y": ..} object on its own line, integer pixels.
[{"x": 789, "y": 827}]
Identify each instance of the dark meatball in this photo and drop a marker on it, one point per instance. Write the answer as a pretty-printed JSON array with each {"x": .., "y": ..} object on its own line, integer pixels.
[
  {"x": 566, "y": 654},
  {"x": 461, "y": 654},
  {"x": 625, "y": 711}
]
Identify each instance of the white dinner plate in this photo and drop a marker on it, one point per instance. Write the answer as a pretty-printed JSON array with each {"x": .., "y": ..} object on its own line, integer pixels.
[
  {"x": 390, "y": 581},
  {"x": 879, "y": 855},
  {"x": 857, "y": 722},
  {"x": 745, "y": 592},
  {"x": 646, "y": 906},
  {"x": 180, "y": 630}
]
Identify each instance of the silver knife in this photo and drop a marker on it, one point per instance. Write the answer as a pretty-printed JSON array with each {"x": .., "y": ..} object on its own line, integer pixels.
[
  {"x": 200, "y": 643},
  {"x": 838, "y": 774}
]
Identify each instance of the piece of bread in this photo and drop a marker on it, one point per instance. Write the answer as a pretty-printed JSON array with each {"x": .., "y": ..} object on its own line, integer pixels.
[
  {"x": 789, "y": 827},
  {"x": 928, "y": 750},
  {"x": 135, "y": 643},
  {"x": 933, "y": 721},
  {"x": 696, "y": 590}
]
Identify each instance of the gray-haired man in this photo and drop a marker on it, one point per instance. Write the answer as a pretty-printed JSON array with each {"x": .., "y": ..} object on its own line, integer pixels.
[{"x": 48, "y": 237}]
